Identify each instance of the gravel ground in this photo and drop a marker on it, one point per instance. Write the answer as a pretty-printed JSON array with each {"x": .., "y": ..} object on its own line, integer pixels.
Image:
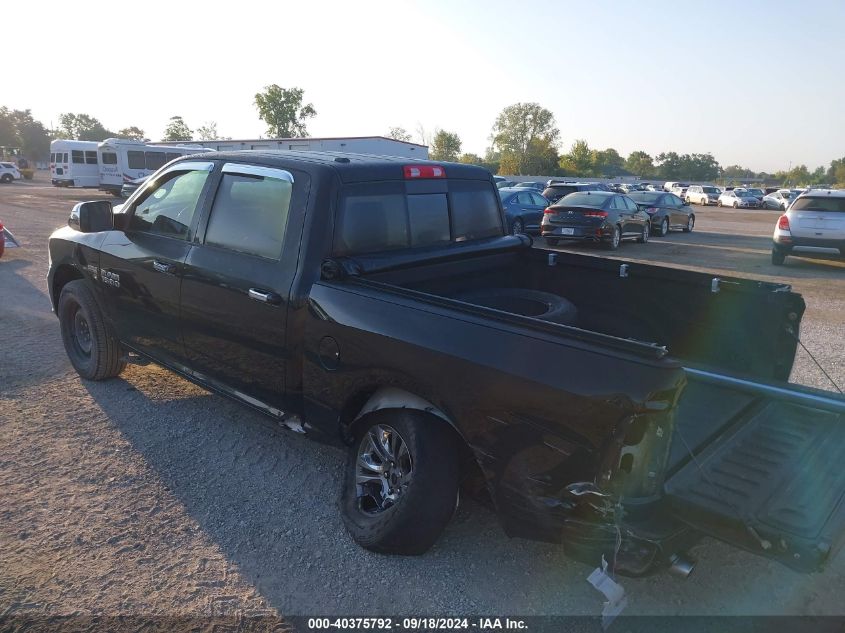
[{"x": 146, "y": 495}]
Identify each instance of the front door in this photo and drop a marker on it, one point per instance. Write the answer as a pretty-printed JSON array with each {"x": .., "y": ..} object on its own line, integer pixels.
[
  {"x": 141, "y": 267},
  {"x": 237, "y": 281}
]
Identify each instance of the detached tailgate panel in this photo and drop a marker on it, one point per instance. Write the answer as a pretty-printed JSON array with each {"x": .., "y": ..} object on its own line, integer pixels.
[{"x": 772, "y": 481}]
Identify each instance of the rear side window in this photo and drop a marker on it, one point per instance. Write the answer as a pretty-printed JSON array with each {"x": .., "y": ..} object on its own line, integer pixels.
[
  {"x": 376, "y": 217},
  {"x": 90, "y": 157},
  {"x": 250, "y": 214},
  {"x": 109, "y": 158},
  {"x": 819, "y": 203},
  {"x": 77, "y": 156},
  {"x": 136, "y": 160}
]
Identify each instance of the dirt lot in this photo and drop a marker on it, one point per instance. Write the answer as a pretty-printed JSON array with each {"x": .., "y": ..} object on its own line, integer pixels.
[{"x": 148, "y": 495}]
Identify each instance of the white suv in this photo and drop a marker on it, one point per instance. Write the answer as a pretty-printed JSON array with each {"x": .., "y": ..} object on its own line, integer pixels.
[
  {"x": 8, "y": 172},
  {"x": 815, "y": 220},
  {"x": 702, "y": 194}
]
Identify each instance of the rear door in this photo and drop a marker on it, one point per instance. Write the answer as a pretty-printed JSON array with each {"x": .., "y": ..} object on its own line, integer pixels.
[
  {"x": 759, "y": 465},
  {"x": 237, "y": 282}
]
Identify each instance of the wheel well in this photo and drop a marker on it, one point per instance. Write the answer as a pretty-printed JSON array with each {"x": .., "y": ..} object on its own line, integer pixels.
[{"x": 63, "y": 275}]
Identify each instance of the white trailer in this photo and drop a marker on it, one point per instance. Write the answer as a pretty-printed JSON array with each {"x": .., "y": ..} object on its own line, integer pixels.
[
  {"x": 379, "y": 145},
  {"x": 122, "y": 160},
  {"x": 74, "y": 163}
]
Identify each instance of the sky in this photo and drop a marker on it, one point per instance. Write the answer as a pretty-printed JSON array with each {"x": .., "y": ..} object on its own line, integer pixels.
[{"x": 755, "y": 83}]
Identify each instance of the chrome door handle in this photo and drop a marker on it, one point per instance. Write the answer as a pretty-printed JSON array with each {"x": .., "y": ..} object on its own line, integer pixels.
[
  {"x": 264, "y": 297},
  {"x": 163, "y": 267}
]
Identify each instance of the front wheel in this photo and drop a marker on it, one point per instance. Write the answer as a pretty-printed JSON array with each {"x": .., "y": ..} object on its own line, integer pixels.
[
  {"x": 718, "y": 203},
  {"x": 736, "y": 205},
  {"x": 401, "y": 484},
  {"x": 690, "y": 224},
  {"x": 643, "y": 238},
  {"x": 93, "y": 350},
  {"x": 664, "y": 227}
]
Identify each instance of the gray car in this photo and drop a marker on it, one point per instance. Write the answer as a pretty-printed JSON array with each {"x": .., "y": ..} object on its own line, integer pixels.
[{"x": 815, "y": 221}]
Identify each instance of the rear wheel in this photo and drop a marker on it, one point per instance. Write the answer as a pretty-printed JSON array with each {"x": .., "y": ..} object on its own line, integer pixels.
[
  {"x": 690, "y": 224},
  {"x": 615, "y": 238},
  {"x": 643, "y": 238},
  {"x": 6, "y": 178},
  {"x": 93, "y": 349},
  {"x": 664, "y": 227},
  {"x": 401, "y": 481},
  {"x": 517, "y": 227},
  {"x": 778, "y": 257}
]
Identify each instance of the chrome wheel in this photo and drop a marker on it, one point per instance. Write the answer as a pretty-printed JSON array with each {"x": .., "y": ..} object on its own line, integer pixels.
[
  {"x": 690, "y": 224},
  {"x": 517, "y": 227},
  {"x": 664, "y": 227},
  {"x": 616, "y": 238},
  {"x": 384, "y": 469}
]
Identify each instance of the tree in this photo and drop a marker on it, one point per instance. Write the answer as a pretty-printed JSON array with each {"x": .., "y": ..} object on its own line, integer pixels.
[
  {"x": 400, "y": 134},
  {"x": 208, "y": 132},
  {"x": 282, "y": 110},
  {"x": 640, "y": 164},
  {"x": 579, "y": 160},
  {"x": 177, "y": 130},
  {"x": 133, "y": 133},
  {"x": 521, "y": 130},
  {"x": 471, "y": 159},
  {"x": 445, "y": 146},
  {"x": 82, "y": 127},
  {"x": 607, "y": 162},
  {"x": 19, "y": 129}
]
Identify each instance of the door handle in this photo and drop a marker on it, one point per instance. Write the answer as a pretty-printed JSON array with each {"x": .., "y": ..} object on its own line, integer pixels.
[
  {"x": 163, "y": 267},
  {"x": 264, "y": 297}
]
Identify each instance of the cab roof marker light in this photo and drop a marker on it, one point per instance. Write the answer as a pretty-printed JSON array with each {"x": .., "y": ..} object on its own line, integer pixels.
[{"x": 424, "y": 171}]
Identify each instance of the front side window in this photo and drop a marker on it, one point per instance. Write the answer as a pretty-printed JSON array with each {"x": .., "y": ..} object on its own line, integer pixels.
[
  {"x": 90, "y": 157},
  {"x": 77, "y": 157},
  {"x": 136, "y": 160},
  {"x": 250, "y": 214},
  {"x": 169, "y": 208}
]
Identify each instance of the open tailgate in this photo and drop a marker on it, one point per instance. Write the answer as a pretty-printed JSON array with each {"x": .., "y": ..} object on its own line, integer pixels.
[{"x": 760, "y": 466}]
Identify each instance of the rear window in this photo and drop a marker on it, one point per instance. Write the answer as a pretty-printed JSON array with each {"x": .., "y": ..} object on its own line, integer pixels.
[
  {"x": 647, "y": 197},
  {"x": 819, "y": 203},
  {"x": 376, "y": 217},
  {"x": 109, "y": 158},
  {"x": 583, "y": 199},
  {"x": 558, "y": 191}
]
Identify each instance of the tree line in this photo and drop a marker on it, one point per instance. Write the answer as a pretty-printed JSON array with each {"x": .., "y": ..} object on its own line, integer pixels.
[{"x": 525, "y": 140}]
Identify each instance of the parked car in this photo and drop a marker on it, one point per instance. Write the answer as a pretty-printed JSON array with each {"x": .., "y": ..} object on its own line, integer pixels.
[
  {"x": 815, "y": 219},
  {"x": 595, "y": 216},
  {"x": 9, "y": 172},
  {"x": 680, "y": 190},
  {"x": 523, "y": 209},
  {"x": 651, "y": 187},
  {"x": 702, "y": 194},
  {"x": 558, "y": 190},
  {"x": 129, "y": 187},
  {"x": 780, "y": 199},
  {"x": 536, "y": 186},
  {"x": 620, "y": 408},
  {"x": 738, "y": 199},
  {"x": 665, "y": 210},
  {"x": 757, "y": 193}
]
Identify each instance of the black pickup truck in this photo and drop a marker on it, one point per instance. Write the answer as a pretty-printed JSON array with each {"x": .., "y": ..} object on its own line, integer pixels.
[{"x": 622, "y": 409}]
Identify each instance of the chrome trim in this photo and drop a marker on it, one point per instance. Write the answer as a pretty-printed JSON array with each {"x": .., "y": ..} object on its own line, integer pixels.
[{"x": 255, "y": 170}]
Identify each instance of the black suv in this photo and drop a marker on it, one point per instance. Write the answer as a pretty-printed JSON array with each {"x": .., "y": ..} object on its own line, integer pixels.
[{"x": 556, "y": 190}]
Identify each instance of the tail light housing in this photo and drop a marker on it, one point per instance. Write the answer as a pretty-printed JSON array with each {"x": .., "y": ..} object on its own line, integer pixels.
[
  {"x": 549, "y": 211},
  {"x": 594, "y": 214},
  {"x": 651, "y": 210},
  {"x": 783, "y": 223},
  {"x": 423, "y": 171}
]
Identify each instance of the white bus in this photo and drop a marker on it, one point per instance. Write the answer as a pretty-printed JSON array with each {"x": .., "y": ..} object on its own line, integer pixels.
[
  {"x": 74, "y": 164},
  {"x": 122, "y": 160}
]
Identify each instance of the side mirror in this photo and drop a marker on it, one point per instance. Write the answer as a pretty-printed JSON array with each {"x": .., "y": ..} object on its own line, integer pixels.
[
  {"x": 686, "y": 203},
  {"x": 92, "y": 217}
]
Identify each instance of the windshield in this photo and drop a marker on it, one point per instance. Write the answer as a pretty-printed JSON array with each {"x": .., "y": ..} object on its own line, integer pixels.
[
  {"x": 744, "y": 194},
  {"x": 818, "y": 203},
  {"x": 710, "y": 190},
  {"x": 583, "y": 199},
  {"x": 756, "y": 192}
]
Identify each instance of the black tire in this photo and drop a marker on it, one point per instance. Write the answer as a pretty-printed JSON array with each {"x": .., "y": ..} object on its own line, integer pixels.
[
  {"x": 736, "y": 205},
  {"x": 6, "y": 178},
  {"x": 643, "y": 239},
  {"x": 778, "y": 257},
  {"x": 93, "y": 349},
  {"x": 533, "y": 303},
  {"x": 718, "y": 203},
  {"x": 412, "y": 524},
  {"x": 552, "y": 242},
  {"x": 615, "y": 239},
  {"x": 517, "y": 228},
  {"x": 690, "y": 224},
  {"x": 664, "y": 227}
]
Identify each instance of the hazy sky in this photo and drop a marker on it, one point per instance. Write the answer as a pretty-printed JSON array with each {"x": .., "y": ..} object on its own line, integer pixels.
[{"x": 755, "y": 83}]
